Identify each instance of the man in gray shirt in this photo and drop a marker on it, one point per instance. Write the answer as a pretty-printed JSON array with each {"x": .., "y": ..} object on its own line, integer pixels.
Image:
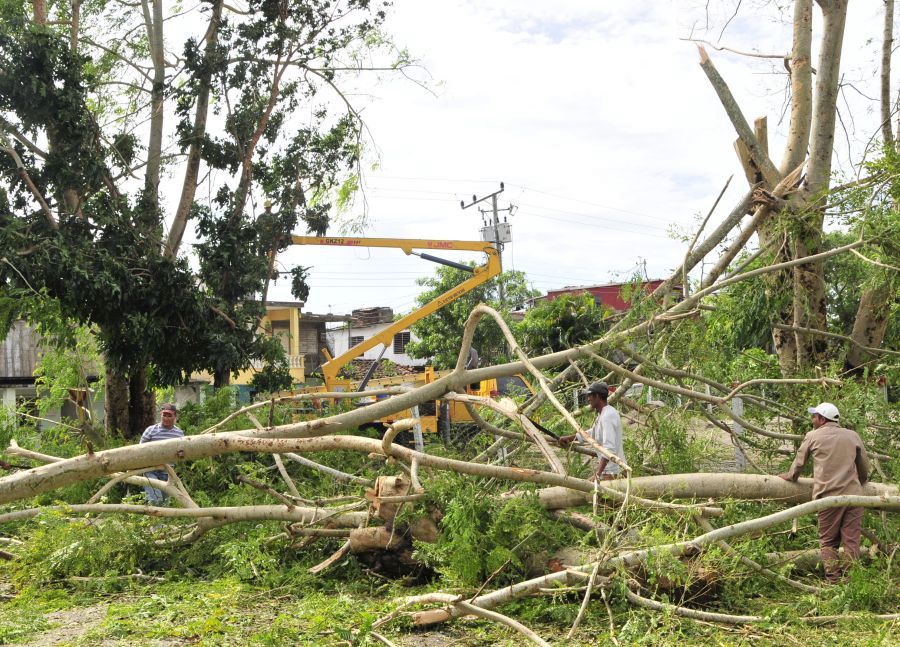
[
  {"x": 840, "y": 466},
  {"x": 165, "y": 429},
  {"x": 606, "y": 431}
]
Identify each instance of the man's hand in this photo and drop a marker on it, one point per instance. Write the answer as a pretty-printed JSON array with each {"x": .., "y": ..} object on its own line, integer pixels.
[
  {"x": 565, "y": 441},
  {"x": 786, "y": 477}
]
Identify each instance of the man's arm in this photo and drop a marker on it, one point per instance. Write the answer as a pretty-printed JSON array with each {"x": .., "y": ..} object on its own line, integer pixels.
[
  {"x": 802, "y": 456},
  {"x": 862, "y": 464}
]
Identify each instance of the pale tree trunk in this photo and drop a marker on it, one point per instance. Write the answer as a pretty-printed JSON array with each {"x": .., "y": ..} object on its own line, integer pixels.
[
  {"x": 801, "y": 88},
  {"x": 809, "y": 279},
  {"x": 76, "y": 24},
  {"x": 874, "y": 308},
  {"x": 771, "y": 232},
  {"x": 40, "y": 11},
  {"x": 871, "y": 322},
  {"x": 887, "y": 45},
  {"x": 153, "y": 21},
  {"x": 192, "y": 170}
]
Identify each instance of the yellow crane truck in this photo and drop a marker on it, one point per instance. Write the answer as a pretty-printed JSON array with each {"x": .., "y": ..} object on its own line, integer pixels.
[{"x": 448, "y": 412}]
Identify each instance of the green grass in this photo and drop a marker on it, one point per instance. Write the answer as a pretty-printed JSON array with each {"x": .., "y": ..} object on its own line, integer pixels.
[{"x": 337, "y": 609}]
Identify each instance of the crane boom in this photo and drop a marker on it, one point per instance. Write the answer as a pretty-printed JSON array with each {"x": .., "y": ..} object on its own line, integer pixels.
[{"x": 480, "y": 274}]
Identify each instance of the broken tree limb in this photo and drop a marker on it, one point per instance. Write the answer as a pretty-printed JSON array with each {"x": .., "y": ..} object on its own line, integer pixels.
[
  {"x": 49, "y": 477},
  {"x": 474, "y": 317},
  {"x": 507, "y": 408},
  {"x": 220, "y": 514},
  {"x": 685, "y": 284},
  {"x": 831, "y": 335},
  {"x": 708, "y": 616},
  {"x": 678, "y": 549},
  {"x": 765, "y": 165},
  {"x": 337, "y": 474},
  {"x": 759, "y": 568}
]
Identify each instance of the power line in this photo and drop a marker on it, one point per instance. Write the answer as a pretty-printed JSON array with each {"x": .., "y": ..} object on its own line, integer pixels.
[
  {"x": 524, "y": 188},
  {"x": 591, "y": 216},
  {"x": 597, "y": 225}
]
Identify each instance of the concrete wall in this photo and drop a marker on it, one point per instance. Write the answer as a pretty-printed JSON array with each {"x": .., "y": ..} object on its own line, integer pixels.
[{"x": 338, "y": 340}]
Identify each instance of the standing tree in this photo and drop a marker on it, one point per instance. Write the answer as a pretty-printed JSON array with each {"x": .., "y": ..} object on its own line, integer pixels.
[
  {"x": 792, "y": 198},
  {"x": 101, "y": 111}
]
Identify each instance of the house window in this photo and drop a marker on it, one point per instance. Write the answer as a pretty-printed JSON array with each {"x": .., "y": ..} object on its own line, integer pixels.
[
  {"x": 401, "y": 339},
  {"x": 356, "y": 340}
]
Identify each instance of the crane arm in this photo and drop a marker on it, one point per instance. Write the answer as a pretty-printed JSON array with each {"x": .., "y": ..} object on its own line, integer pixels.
[{"x": 481, "y": 274}]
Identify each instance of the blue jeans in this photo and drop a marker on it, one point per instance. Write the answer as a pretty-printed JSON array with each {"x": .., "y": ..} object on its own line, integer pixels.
[{"x": 154, "y": 496}]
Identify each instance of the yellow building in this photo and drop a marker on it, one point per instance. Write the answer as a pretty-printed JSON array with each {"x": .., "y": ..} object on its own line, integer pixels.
[{"x": 302, "y": 335}]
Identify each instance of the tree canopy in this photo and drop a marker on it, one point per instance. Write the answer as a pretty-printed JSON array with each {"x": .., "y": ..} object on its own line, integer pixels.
[
  {"x": 101, "y": 112},
  {"x": 440, "y": 334}
]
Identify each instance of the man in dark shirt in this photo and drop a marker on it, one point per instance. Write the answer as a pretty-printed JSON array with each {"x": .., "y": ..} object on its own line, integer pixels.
[
  {"x": 840, "y": 466},
  {"x": 165, "y": 429}
]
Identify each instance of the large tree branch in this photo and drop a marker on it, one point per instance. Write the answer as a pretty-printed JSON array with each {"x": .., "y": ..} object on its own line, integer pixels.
[
  {"x": 201, "y": 112},
  {"x": 767, "y": 168},
  {"x": 153, "y": 20},
  {"x": 824, "y": 115},
  {"x": 801, "y": 88},
  {"x": 7, "y": 148},
  {"x": 887, "y": 45},
  {"x": 678, "y": 549}
]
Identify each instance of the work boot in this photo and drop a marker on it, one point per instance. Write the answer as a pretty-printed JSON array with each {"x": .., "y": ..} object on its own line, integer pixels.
[{"x": 832, "y": 565}]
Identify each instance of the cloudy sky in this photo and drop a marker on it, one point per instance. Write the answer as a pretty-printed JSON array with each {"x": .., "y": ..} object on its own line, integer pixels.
[{"x": 596, "y": 116}]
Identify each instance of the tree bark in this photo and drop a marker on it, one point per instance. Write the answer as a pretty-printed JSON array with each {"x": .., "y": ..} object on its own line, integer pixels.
[
  {"x": 887, "y": 45},
  {"x": 801, "y": 88},
  {"x": 872, "y": 317},
  {"x": 751, "y": 487},
  {"x": 116, "y": 403},
  {"x": 141, "y": 404}
]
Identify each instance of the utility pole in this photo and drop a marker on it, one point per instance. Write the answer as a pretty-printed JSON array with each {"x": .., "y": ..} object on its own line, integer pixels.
[{"x": 493, "y": 230}]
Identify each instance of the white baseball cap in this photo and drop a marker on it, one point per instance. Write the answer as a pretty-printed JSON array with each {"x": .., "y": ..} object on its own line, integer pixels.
[{"x": 826, "y": 410}]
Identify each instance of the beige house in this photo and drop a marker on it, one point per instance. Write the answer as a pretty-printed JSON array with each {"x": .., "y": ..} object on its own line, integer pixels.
[{"x": 302, "y": 335}]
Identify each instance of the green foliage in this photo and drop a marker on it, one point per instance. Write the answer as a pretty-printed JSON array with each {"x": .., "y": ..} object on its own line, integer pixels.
[
  {"x": 481, "y": 535},
  {"x": 440, "y": 334},
  {"x": 564, "y": 322},
  {"x": 744, "y": 313},
  {"x": 275, "y": 375},
  {"x": 105, "y": 266},
  {"x": 299, "y": 286},
  {"x": 667, "y": 443},
  {"x": 59, "y": 548},
  {"x": 62, "y": 368}
]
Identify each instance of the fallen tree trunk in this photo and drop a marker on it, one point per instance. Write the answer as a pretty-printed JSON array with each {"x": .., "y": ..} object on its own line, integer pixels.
[
  {"x": 73, "y": 470},
  {"x": 698, "y": 486}
]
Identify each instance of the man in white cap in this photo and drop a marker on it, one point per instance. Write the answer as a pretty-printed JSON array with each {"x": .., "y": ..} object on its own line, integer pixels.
[
  {"x": 606, "y": 430},
  {"x": 840, "y": 466}
]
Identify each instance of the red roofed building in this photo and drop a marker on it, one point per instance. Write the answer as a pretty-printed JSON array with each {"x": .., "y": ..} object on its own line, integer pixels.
[{"x": 609, "y": 295}]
